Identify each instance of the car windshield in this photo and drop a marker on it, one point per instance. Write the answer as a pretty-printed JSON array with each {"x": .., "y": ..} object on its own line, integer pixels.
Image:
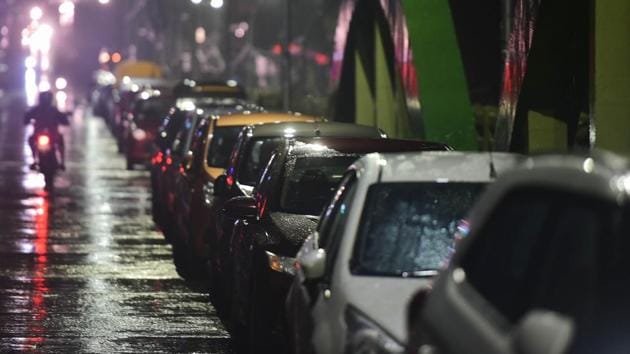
[
  {"x": 223, "y": 140},
  {"x": 257, "y": 154},
  {"x": 152, "y": 110},
  {"x": 311, "y": 181},
  {"x": 410, "y": 229}
]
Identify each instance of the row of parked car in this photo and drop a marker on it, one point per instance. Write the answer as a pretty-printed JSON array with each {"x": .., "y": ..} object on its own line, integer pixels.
[{"x": 326, "y": 237}]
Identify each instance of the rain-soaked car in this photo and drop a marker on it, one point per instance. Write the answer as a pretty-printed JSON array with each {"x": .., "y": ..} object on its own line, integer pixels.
[
  {"x": 206, "y": 160},
  {"x": 175, "y": 138},
  {"x": 142, "y": 128},
  {"x": 544, "y": 269},
  {"x": 391, "y": 226},
  {"x": 299, "y": 180},
  {"x": 248, "y": 158}
]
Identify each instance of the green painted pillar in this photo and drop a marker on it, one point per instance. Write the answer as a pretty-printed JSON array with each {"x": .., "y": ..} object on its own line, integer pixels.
[
  {"x": 612, "y": 75},
  {"x": 446, "y": 107}
]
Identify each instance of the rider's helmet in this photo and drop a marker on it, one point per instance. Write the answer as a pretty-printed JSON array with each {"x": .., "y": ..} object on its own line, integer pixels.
[{"x": 45, "y": 98}]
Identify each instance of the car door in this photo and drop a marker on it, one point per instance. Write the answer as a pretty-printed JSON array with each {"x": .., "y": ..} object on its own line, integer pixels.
[
  {"x": 537, "y": 251},
  {"x": 305, "y": 293}
]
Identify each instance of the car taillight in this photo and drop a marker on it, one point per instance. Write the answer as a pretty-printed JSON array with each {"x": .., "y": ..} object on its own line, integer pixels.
[
  {"x": 43, "y": 140},
  {"x": 159, "y": 157}
]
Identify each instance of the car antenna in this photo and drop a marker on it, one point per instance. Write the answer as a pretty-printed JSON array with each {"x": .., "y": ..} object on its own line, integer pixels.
[{"x": 493, "y": 171}]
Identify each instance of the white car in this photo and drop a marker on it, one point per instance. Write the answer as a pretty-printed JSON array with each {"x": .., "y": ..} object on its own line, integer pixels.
[{"x": 390, "y": 228}]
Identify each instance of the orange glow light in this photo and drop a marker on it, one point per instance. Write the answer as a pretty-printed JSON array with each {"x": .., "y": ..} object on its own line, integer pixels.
[{"x": 116, "y": 57}]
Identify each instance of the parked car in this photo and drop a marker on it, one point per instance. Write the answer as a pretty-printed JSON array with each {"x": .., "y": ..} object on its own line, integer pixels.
[
  {"x": 391, "y": 226},
  {"x": 299, "y": 180},
  {"x": 248, "y": 158},
  {"x": 207, "y": 159},
  {"x": 142, "y": 127},
  {"x": 171, "y": 126},
  {"x": 544, "y": 268}
]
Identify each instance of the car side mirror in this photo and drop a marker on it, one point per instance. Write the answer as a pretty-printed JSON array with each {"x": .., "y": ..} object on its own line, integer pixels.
[
  {"x": 313, "y": 264},
  {"x": 544, "y": 332},
  {"x": 241, "y": 207},
  {"x": 221, "y": 187}
]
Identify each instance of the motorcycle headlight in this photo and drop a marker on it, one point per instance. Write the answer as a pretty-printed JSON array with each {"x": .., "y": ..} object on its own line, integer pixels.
[{"x": 366, "y": 337}]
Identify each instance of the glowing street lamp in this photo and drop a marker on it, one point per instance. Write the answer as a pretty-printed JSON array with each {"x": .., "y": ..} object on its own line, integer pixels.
[{"x": 36, "y": 13}]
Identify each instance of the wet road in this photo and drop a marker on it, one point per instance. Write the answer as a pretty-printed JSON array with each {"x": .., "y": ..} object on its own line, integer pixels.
[{"x": 84, "y": 269}]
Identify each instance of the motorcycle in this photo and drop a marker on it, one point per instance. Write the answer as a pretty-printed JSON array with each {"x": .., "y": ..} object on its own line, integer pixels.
[{"x": 47, "y": 154}]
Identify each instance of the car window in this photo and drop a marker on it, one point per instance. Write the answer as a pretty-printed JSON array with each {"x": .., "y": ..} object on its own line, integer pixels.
[
  {"x": 256, "y": 156},
  {"x": 540, "y": 249},
  {"x": 410, "y": 229},
  {"x": 310, "y": 181},
  {"x": 183, "y": 137},
  {"x": 223, "y": 141}
]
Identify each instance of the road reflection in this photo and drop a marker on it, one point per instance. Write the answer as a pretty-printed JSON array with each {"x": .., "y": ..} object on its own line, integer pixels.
[{"x": 40, "y": 289}]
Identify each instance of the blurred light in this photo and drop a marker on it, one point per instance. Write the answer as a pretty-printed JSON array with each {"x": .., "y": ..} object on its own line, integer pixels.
[
  {"x": 126, "y": 80},
  {"x": 44, "y": 85},
  {"x": 277, "y": 49},
  {"x": 66, "y": 13},
  {"x": 217, "y": 4},
  {"x": 45, "y": 65},
  {"x": 187, "y": 105},
  {"x": 199, "y": 111},
  {"x": 4, "y": 31},
  {"x": 61, "y": 83},
  {"x": 103, "y": 57},
  {"x": 135, "y": 88},
  {"x": 30, "y": 62},
  {"x": 61, "y": 97},
  {"x": 289, "y": 133},
  {"x": 200, "y": 35},
  {"x": 30, "y": 86},
  {"x": 196, "y": 2},
  {"x": 232, "y": 83},
  {"x": 103, "y": 2},
  {"x": 139, "y": 134},
  {"x": 239, "y": 33},
  {"x": 36, "y": 13},
  {"x": 145, "y": 95},
  {"x": 66, "y": 7},
  {"x": 43, "y": 140},
  {"x": 116, "y": 57}
]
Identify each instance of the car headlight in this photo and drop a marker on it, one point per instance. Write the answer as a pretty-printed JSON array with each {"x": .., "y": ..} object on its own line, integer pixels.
[{"x": 364, "y": 336}]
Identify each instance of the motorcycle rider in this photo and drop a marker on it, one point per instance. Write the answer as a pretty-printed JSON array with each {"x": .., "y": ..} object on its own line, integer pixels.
[{"x": 45, "y": 116}]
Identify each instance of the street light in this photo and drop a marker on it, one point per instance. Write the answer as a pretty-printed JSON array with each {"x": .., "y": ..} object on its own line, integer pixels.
[
  {"x": 36, "y": 13},
  {"x": 103, "y": 2},
  {"x": 217, "y": 4},
  {"x": 196, "y": 2}
]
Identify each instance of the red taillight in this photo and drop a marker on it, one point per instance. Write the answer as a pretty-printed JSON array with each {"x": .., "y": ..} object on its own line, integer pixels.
[
  {"x": 158, "y": 158},
  {"x": 230, "y": 181},
  {"x": 169, "y": 160},
  {"x": 43, "y": 140}
]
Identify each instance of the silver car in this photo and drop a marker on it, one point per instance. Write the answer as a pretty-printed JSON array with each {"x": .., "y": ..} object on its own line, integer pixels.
[{"x": 391, "y": 226}]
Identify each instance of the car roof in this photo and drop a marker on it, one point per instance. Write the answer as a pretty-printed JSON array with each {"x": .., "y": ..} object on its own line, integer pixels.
[
  {"x": 314, "y": 129},
  {"x": 601, "y": 173},
  {"x": 256, "y": 118},
  {"x": 305, "y": 146},
  {"x": 440, "y": 166},
  {"x": 196, "y": 88}
]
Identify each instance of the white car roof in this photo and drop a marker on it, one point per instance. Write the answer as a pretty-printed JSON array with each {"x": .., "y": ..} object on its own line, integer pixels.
[{"x": 440, "y": 166}]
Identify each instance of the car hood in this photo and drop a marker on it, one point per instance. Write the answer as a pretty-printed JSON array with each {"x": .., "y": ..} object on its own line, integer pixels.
[
  {"x": 289, "y": 232},
  {"x": 385, "y": 300}
]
